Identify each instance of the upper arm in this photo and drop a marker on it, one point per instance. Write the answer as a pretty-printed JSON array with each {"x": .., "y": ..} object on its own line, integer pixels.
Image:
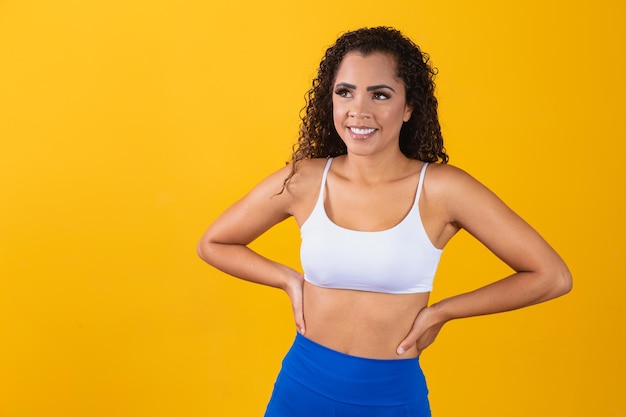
[
  {"x": 256, "y": 212},
  {"x": 473, "y": 207}
]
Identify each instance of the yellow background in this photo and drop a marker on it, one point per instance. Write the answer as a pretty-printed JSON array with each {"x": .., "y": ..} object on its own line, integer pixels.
[{"x": 127, "y": 126}]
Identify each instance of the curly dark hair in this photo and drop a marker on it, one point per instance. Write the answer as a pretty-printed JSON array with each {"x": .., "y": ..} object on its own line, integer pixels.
[{"x": 420, "y": 137}]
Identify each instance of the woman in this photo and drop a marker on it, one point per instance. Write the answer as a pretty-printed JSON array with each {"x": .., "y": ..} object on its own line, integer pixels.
[{"x": 376, "y": 203}]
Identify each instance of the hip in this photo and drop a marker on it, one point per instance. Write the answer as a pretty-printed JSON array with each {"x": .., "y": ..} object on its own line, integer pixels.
[{"x": 354, "y": 380}]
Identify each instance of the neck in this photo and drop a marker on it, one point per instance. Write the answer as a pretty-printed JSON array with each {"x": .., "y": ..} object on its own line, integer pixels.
[{"x": 373, "y": 169}]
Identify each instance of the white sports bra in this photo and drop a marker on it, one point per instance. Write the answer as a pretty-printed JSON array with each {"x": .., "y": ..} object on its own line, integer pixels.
[{"x": 399, "y": 260}]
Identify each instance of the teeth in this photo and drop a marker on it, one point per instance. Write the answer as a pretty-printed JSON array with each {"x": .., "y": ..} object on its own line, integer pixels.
[{"x": 361, "y": 131}]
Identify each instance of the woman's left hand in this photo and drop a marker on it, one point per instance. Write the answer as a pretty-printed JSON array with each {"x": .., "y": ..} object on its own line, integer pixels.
[{"x": 424, "y": 331}]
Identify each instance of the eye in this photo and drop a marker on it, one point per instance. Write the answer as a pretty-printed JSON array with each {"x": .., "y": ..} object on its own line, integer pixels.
[
  {"x": 379, "y": 95},
  {"x": 343, "y": 92}
]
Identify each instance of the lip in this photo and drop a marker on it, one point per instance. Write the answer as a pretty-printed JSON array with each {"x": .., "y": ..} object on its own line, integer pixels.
[{"x": 361, "y": 132}]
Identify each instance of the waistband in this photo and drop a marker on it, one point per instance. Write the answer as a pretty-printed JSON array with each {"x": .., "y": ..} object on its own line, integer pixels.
[{"x": 353, "y": 379}]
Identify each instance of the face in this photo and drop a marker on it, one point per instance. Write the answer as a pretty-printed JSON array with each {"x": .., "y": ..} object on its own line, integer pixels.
[{"x": 369, "y": 103}]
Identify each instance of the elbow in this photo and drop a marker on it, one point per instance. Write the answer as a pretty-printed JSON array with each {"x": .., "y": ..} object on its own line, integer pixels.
[
  {"x": 566, "y": 281},
  {"x": 561, "y": 282},
  {"x": 200, "y": 251},
  {"x": 204, "y": 251}
]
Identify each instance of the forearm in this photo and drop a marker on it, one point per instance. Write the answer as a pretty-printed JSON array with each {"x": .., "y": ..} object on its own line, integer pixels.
[
  {"x": 519, "y": 290},
  {"x": 242, "y": 262}
]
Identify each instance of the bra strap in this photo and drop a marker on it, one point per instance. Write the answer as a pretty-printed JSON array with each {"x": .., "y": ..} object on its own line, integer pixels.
[
  {"x": 323, "y": 184},
  {"x": 421, "y": 182}
]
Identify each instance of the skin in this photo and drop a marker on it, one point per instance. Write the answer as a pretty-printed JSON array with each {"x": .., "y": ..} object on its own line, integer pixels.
[{"x": 372, "y": 188}]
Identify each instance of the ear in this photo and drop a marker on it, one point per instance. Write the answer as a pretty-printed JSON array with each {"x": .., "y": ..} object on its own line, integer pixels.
[{"x": 408, "y": 111}]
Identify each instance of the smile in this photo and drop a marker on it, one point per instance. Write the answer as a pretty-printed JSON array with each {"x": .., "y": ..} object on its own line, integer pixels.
[{"x": 361, "y": 131}]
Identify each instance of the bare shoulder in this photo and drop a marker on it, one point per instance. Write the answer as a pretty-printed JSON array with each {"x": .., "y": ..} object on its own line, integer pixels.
[
  {"x": 442, "y": 179},
  {"x": 281, "y": 190},
  {"x": 307, "y": 178},
  {"x": 458, "y": 194}
]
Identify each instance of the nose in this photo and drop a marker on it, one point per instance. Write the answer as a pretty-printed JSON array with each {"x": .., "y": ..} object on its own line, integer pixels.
[
  {"x": 359, "y": 109},
  {"x": 356, "y": 114}
]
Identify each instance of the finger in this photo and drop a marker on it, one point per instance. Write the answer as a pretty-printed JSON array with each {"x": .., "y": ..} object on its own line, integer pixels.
[
  {"x": 406, "y": 344},
  {"x": 294, "y": 291},
  {"x": 298, "y": 315},
  {"x": 300, "y": 323}
]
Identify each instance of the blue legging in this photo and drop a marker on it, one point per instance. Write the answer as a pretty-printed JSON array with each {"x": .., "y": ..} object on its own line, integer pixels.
[{"x": 316, "y": 381}]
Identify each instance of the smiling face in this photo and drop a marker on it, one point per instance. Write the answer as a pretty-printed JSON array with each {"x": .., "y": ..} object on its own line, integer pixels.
[{"x": 369, "y": 103}]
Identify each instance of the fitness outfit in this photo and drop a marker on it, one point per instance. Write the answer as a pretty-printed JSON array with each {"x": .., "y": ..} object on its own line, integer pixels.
[{"x": 316, "y": 381}]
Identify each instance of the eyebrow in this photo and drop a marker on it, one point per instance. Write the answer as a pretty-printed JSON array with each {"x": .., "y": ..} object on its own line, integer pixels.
[{"x": 370, "y": 88}]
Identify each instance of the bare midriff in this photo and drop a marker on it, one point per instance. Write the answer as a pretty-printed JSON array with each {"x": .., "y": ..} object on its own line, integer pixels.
[{"x": 361, "y": 323}]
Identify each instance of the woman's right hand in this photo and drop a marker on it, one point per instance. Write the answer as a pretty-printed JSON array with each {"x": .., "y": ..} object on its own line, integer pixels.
[
  {"x": 294, "y": 287},
  {"x": 225, "y": 244}
]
